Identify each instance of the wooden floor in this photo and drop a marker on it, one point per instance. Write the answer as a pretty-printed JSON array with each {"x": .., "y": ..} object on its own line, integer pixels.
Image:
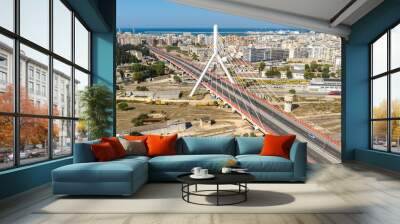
[{"x": 379, "y": 189}]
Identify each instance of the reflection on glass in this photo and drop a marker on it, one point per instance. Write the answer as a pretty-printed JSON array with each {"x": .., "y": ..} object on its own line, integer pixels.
[
  {"x": 395, "y": 47},
  {"x": 33, "y": 139},
  {"x": 395, "y": 94},
  {"x": 81, "y": 82},
  {"x": 34, "y": 21},
  {"x": 62, "y": 138},
  {"x": 379, "y": 135},
  {"x": 7, "y": 14},
  {"x": 34, "y": 96},
  {"x": 62, "y": 29},
  {"x": 379, "y": 97},
  {"x": 6, "y": 75},
  {"x": 6, "y": 142},
  {"x": 379, "y": 55},
  {"x": 395, "y": 138},
  {"x": 81, "y": 131},
  {"x": 62, "y": 89},
  {"x": 81, "y": 45}
]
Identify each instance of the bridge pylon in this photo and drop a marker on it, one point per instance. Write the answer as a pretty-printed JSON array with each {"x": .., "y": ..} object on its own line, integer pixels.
[{"x": 215, "y": 55}]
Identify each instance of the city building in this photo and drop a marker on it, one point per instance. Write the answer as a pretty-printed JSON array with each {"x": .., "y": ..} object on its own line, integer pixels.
[
  {"x": 294, "y": 174},
  {"x": 265, "y": 54},
  {"x": 325, "y": 85},
  {"x": 298, "y": 71}
]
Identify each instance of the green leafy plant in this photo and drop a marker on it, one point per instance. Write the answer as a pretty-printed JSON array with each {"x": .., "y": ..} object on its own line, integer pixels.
[
  {"x": 123, "y": 106},
  {"x": 97, "y": 102}
]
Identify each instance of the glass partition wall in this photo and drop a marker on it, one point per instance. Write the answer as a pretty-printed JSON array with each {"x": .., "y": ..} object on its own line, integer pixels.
[
  {"x": 385, "y": 91},
  {"x": 44, "y": 64}
]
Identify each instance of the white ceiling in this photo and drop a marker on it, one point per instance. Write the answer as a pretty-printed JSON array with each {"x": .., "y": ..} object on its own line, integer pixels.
[{"x": 317, "y": 15}]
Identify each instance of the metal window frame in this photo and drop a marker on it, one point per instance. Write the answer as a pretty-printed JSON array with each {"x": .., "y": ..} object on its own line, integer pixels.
[
  {"x": 388, "y": 74},
  {"x": 16, "y": 114}
]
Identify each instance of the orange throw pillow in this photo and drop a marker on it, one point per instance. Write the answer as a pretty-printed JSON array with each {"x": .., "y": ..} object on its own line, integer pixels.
[
  {"x": 116, "y": 145},
  {"x": 103, "y": 152},
  {"x": 161, "y": 145},
  {"x": 277, "y": 145},
  {"x": 135, "y": 137}
]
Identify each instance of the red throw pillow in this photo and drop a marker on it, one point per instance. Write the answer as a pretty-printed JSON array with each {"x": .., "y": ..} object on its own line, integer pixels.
[
  {"x": 103, "y": 152},
  {"x": 161, "y": 145},
  {"x": 277, "y": 145},
  {"x": 116, "y": 145},
  {"x": 136, "y": 137}
]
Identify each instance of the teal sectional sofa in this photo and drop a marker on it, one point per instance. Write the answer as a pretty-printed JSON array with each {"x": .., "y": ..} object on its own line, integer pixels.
[{"x": 125, "y": 176}]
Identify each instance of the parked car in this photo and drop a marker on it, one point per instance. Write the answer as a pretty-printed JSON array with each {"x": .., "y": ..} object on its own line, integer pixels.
[{"x": 334, "y": 93}]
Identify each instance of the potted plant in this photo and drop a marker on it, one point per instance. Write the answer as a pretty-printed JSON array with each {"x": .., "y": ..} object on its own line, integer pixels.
[{"x": 96, "y": 102}]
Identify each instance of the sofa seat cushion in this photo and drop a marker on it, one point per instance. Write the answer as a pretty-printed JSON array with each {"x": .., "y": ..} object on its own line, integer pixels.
[
  {"x": 185, "y": 163},
  {"x": 257, "y": 163},
  {"x": 134, "y": 157},
  {"x": 112, "y": 171}
]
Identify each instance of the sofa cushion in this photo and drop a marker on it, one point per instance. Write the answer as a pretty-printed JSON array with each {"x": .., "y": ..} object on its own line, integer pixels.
[
  {"x": 249, "y": 145},
  {"x": 83, "y": 153},
  {"x": 277, "y": 145},
  {"x": 134, "y": 147},
  {"x": 257, "y": 163},
  {"x": 135, "y": 137},
  {"x": 103, "y": 152},
  {"x": 112, "y": 171},
  {"x": 116, "y": 145},
  {"x": 160, "y": 145},
  {"x": 185, "y": 163},
  {"x": 206, "y": 145}
]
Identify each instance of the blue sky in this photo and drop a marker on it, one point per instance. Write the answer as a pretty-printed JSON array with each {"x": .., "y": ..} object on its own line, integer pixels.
[{"x": 162, "y": 13}]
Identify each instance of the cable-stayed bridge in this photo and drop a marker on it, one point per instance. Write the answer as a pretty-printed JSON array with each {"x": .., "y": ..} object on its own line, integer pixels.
[{"x": 263, "y": 115}]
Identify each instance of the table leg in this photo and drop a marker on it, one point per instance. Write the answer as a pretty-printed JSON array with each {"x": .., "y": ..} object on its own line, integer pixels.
[
  {"x": 245, "y": 193},
  {"x": 188, "y": 190},
  {"x": 217, "y": 194},
  {"x": 195, "y": 188}
]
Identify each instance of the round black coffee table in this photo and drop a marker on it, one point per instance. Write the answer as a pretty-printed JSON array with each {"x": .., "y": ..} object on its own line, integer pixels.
[{"x": 238, "y": 179}]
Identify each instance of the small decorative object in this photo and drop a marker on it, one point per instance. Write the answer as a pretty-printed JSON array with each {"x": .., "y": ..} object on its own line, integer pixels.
[
  {"x": 196, "y": 171},
  {"x": 226, "y": 170},
  {"x": 200, "y": 173},
  {"x": 231, "y": 163}
]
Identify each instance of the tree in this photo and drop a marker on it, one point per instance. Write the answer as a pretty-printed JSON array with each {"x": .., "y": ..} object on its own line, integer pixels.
[
  {"x": 325, "y": 72},
  {"x": 137, "y": 67},
  {"x": 195, "y": 57},
  {"x": 142, "y": 88},
  {"x": 177, "y": 79},
  {"x": 273, "y": 73},
  {"x": 313, "y": 66},
  {"x": 138, "y": 76},
  {"x": 122, "y": 74},
  {"x": 261, "y": 66},
  {"x": 308, "y": 75},
  {"x": 97, "y": 103},
  {"x": 289, "y": 73},
  {"x": 123, "y": 106},
  {"x": 307, "y": 67},
  {"x": 157, "y": 68},
  {"x": 292, "y": 91},
  {"x": 124, "y": 57},
  {"x": 33, "y": 130}
]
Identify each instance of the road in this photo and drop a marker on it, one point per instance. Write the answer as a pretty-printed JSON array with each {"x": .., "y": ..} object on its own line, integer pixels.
[{"x": 260, "y": 112}]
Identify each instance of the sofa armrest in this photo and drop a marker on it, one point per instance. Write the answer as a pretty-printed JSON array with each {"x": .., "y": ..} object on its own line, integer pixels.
[
  {"x": 83, "y": 152},
  {"x": 298, "y": 155}
]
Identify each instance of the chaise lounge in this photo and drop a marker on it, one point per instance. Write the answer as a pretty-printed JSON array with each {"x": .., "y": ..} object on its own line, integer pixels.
[{"x": 125, "y": 176}]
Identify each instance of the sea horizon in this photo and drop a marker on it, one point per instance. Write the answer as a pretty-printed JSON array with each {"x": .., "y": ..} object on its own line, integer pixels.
[{"x": 221, "y": 30}]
